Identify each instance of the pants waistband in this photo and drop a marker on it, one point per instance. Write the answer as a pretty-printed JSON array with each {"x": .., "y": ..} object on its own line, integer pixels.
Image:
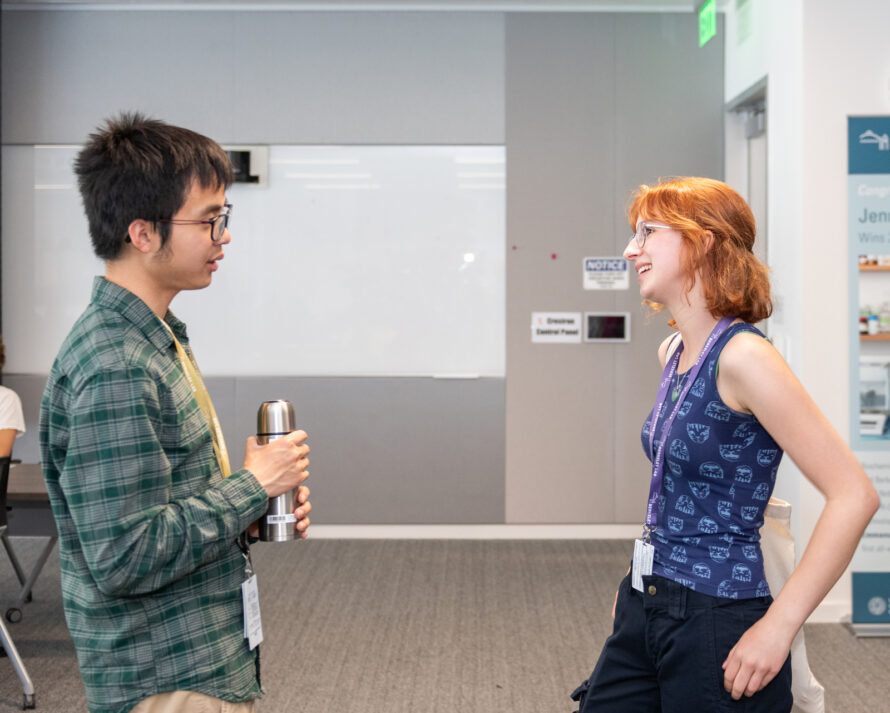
[{"x": 662, "y": 593}]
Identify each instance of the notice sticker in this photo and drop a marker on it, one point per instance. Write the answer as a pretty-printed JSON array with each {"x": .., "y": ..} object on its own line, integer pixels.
[{"x": 606, "y": 273}]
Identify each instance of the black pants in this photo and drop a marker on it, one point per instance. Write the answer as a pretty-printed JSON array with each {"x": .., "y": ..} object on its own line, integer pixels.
[{"x": 666, "y": 652}]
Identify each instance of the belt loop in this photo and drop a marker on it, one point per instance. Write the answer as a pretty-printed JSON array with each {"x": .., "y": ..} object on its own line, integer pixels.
[{"x": 677, "y": 604}]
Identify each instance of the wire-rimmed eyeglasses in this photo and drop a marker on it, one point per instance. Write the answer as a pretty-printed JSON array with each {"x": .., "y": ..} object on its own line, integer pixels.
[
  {"x": 217, "y": 225},
  {"x": 644, "y": 228}
]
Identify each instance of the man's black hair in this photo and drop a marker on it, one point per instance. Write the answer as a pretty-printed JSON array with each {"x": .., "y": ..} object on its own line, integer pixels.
[{"x": 139, "y": 168}]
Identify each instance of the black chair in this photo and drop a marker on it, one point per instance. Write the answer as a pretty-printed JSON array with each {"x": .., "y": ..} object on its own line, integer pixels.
[
  {"x": 5, "y": 638},
  {"x": 4, "y": 537},
  {"x": 34, "y": 522}
]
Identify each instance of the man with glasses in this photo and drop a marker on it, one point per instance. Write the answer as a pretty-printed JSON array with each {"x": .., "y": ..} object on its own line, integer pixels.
[{"x": 152, "y": 523}]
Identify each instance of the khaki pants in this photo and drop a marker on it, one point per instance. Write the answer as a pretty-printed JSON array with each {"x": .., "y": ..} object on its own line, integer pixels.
[{"x": 190, "y": 702}]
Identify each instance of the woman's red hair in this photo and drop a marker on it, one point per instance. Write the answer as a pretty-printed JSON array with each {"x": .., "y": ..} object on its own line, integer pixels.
[{"x": 735, "y": 282}]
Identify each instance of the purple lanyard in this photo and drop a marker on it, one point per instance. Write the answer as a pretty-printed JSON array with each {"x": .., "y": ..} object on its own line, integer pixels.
[{"x": 658, "y": 454}]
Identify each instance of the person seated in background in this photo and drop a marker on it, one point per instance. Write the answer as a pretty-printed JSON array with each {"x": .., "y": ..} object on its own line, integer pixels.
[{"x": 12, "y": 421}]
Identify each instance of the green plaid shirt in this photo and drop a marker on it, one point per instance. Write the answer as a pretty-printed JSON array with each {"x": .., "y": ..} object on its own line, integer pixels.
[{"x": 148, "y": 528}]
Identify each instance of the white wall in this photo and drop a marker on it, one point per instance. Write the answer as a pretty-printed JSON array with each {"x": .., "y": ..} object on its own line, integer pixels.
[
  {"x": 823, "y": 61},
  {"x": 846, "y": 72},
  {"x": 767, "y": 44}
]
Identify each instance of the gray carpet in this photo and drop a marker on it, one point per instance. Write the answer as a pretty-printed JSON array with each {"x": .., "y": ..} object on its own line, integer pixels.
[{"x": 390, "y": 626}]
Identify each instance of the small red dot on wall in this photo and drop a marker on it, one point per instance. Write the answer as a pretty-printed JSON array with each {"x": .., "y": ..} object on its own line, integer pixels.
[
  {"x": 553, "y": 256},
  {"x": 514, "y": 247}
]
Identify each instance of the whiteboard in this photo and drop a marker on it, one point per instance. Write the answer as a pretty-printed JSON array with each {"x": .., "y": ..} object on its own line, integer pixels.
[{"x": 350, "y": 261}]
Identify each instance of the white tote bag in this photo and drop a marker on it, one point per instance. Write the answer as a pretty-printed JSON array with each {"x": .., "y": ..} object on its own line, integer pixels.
[{"x": 777, "y": 545}]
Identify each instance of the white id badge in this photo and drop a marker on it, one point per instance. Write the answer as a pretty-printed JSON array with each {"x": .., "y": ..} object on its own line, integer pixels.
[
  {"x": 644, "y": 555},
  {"x": 253, "y": 626}
]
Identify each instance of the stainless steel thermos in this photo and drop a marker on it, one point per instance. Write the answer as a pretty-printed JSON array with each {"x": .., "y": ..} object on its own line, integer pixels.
[{"x": 274, "y": 420}]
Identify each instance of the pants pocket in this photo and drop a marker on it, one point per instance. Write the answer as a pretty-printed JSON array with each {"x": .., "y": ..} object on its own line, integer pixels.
[{"x": 729, "y": 623}]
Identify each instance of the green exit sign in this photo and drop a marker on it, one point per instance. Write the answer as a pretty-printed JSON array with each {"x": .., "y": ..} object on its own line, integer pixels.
[{"x": 707, "y": 22}]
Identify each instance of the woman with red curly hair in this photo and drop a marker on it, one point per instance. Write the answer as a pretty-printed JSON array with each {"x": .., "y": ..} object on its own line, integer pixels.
[{"x": 696, "y": 626}]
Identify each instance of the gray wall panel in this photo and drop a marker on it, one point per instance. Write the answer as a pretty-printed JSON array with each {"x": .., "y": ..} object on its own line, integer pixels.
[
  {"x": 263, "y": 77},
  {"x": 559, "y": 128},
  {"x": 596, "y": 104},
  {"x": 393, "y": 450},
  {"x": 398, "y": 78},
  {"x": 384, "y": 451},
  {"x": 671, "y": 125}
]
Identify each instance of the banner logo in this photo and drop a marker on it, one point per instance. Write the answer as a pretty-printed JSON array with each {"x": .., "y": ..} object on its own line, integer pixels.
[
  {"x": 877, "y": 606},
  {"x": 868, "y": 145},
  {"x": 870, "y": 137}
]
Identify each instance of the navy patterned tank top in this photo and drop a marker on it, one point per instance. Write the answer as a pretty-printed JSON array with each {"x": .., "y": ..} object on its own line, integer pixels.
[{"x": 720, "y": 471}]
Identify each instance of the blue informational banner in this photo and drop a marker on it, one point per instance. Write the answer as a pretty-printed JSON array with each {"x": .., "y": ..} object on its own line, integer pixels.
[{"x": 868, "y": 227}]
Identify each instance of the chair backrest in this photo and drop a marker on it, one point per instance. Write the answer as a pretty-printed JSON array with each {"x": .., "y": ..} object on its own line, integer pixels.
[{"x": 4, "y": 484}]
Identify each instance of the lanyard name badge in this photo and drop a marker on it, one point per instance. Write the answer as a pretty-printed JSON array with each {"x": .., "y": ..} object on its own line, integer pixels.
[
  {"x": 250, "y": 598},
  {"x": 644, "y": 550}
]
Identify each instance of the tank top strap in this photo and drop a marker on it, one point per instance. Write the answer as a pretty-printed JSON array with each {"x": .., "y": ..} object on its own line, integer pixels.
[
  {"x": 733, "y": 330},
  {"x": 738, "y": 328}
]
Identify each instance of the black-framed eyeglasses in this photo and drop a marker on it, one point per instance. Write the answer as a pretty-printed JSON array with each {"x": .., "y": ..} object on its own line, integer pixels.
[
  {"x": 217, "y": 225},
  {"x": 644, "y": 229}
]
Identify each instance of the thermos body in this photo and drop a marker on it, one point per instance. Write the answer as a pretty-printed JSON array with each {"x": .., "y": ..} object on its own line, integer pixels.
[{"x": 274, "y": 420}]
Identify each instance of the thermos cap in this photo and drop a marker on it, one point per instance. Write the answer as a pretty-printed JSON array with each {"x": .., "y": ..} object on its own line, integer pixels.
[{"x": 275, "y": 417}]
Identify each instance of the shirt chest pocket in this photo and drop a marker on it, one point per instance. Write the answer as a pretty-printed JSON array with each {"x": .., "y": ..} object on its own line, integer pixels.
[{"x": 185, "y": 438}]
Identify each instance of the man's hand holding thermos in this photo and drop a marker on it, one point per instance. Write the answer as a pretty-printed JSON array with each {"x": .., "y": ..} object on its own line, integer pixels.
[{"x": 278, "y": 459}]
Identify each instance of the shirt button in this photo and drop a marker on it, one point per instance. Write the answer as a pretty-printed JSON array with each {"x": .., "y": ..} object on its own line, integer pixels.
[{"x": 652, "y": 590}]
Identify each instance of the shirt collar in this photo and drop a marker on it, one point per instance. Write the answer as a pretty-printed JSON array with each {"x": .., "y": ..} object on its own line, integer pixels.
[{"x": 119, "y": 299}]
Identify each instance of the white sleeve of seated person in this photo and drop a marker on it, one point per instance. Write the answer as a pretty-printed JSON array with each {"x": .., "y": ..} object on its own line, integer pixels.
[{"x": 11, "y": 415}]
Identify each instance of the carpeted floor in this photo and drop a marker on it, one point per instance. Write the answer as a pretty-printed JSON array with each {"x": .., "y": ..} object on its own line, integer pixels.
[{"x": 398, "y": 625}]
